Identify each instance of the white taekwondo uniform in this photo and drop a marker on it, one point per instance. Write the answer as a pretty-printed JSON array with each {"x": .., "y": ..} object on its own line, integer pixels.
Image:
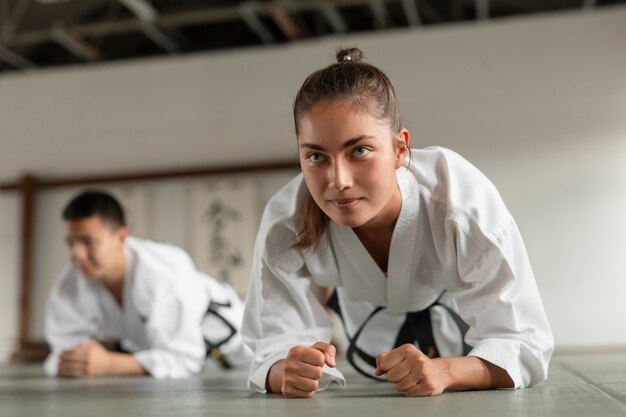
[
  {"x": 170, "y": 315},
  {"x": 454, "y": 243}
]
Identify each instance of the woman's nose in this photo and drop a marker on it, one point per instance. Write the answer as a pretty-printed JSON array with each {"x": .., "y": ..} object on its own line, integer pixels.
[{"x": 340, "y": 176}]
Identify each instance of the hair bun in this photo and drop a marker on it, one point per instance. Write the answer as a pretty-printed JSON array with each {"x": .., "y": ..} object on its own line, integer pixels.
[{"x": 349, "y": 54}]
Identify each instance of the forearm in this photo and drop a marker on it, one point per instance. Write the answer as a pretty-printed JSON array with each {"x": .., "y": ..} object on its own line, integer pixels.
[
  {"x": 124, "y": 364},
  {"x": 275, "y": 377},
  {"x": 473, "y": 373}
]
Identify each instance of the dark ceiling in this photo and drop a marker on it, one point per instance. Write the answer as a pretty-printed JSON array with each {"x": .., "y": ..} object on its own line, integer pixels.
[{"x": 41, "y": 33}]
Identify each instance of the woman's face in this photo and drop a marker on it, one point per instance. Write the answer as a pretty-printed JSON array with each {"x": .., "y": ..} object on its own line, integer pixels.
[{"x": 349, "y": 160}]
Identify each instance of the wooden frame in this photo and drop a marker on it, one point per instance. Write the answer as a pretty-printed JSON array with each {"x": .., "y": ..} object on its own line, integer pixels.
[{"x": 34, "y": 350}]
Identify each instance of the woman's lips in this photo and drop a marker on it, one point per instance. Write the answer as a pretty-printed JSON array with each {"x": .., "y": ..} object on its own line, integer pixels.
[{"x": 346, "y": 203}]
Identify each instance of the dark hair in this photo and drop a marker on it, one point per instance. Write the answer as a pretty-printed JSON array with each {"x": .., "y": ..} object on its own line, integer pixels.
[
  {"x": 363, "y": 85},
  {"x": 366, "y": 87},
  {"x": 95, "y": 203}
]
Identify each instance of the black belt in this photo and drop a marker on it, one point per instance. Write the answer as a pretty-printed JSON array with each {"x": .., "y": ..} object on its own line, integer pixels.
[
  {"x": 212, "y": 349},
  {"x": 416, "y": 327}
]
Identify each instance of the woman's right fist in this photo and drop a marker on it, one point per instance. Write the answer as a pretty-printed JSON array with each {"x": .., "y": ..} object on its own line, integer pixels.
[{"x": 302, "y": 369}]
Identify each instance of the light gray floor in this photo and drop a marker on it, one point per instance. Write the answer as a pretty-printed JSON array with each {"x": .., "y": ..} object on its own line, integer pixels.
[{"x": 589, "y": 385}]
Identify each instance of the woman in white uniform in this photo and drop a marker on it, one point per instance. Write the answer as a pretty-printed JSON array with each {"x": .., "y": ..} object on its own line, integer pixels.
[
  {"x": 432, "y": 279},
  {"x": 165, "y": 317}
]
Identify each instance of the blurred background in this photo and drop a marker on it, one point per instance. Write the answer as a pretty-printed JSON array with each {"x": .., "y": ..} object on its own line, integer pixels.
[{"x": 182, "y": 109}]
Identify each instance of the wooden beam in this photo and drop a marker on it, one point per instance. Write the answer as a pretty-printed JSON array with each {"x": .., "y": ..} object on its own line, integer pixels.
[
  {"x": 15, "y": 17},
  {"x": 248, "y": 13},
  {"x": 76, "y": 44},
  {"x": 285, "y": 21},
  {"x": 334, "y": 17},
  {"x": 482, "y": 9},
  {"x": 411, "y": 12},
  {"x": 154, "y": 175},
  {"x": 28, "y": 187},
  {"x": 14, "y": 59}
]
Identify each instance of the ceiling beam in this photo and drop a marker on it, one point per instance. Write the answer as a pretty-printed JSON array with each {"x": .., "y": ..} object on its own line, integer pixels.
[
  {"x": 456, "y": 9},
  {"x": 482, "y": 9},
  {"x": 332, "y": 15},
  {"x": 159, "y": 37},
  {"x": 147, "y": 16},
  {"x": 288, "y": 9},
  {"x": 411, "y": 12},
  {"x": 248, "y": 13},
  {"x": 379, "y": 12},
  {"x": 15, "y": 17},
  {"x": 141, "y": 9},
  {"x": 286, "y": 23},
  {"x": 14, "y": 59},
  {"x": 75, "y": 44},
  {"x": 4, "y": 13},
  {"x": 589, "y": 4},
  {"x": 429, "y": 13}
]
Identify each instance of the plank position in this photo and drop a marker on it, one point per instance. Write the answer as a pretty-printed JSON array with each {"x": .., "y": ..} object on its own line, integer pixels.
[
  {"x": 164, "y": 317},
  {"x": 430, "y": 273}
]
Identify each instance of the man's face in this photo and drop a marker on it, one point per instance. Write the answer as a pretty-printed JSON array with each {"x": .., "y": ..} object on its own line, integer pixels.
[{"x": 95, "y": 247}]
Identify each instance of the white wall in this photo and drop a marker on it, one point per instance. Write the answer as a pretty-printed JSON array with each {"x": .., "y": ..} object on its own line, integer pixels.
[{"x": 537, "y": 104}]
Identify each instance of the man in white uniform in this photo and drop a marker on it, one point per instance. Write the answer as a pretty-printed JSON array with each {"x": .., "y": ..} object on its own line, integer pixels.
[{"x": 164, "y": 317}]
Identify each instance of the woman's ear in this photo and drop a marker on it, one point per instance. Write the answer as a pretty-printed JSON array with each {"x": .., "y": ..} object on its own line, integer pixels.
[{"x": 403, "y": 139}]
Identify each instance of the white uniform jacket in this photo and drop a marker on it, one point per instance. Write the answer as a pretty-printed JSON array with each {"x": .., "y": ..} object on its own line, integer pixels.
[
  {"x": 163, "y": 321},
  {"x": 454, "y": 241}
]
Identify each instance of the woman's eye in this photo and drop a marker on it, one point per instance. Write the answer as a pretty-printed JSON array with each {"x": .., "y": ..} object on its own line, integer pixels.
[
  {"x": 315, "y": 157},
  {"x": 361, "y": 151}
]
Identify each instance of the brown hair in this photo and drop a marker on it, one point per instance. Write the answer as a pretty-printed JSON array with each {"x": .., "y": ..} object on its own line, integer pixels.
[{"x": 363, "y": 85}]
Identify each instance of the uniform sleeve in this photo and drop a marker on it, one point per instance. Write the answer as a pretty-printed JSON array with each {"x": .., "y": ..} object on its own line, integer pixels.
[
  {"x": 66, "y": 324},
  {"x": 281, "y": 312},
  {"x": 501, "y": 304},
  {"x": 174, "y": 332}
]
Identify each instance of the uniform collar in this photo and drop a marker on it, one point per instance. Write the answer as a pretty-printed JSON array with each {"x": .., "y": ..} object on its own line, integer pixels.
[{"x": 367, "y": 281}]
